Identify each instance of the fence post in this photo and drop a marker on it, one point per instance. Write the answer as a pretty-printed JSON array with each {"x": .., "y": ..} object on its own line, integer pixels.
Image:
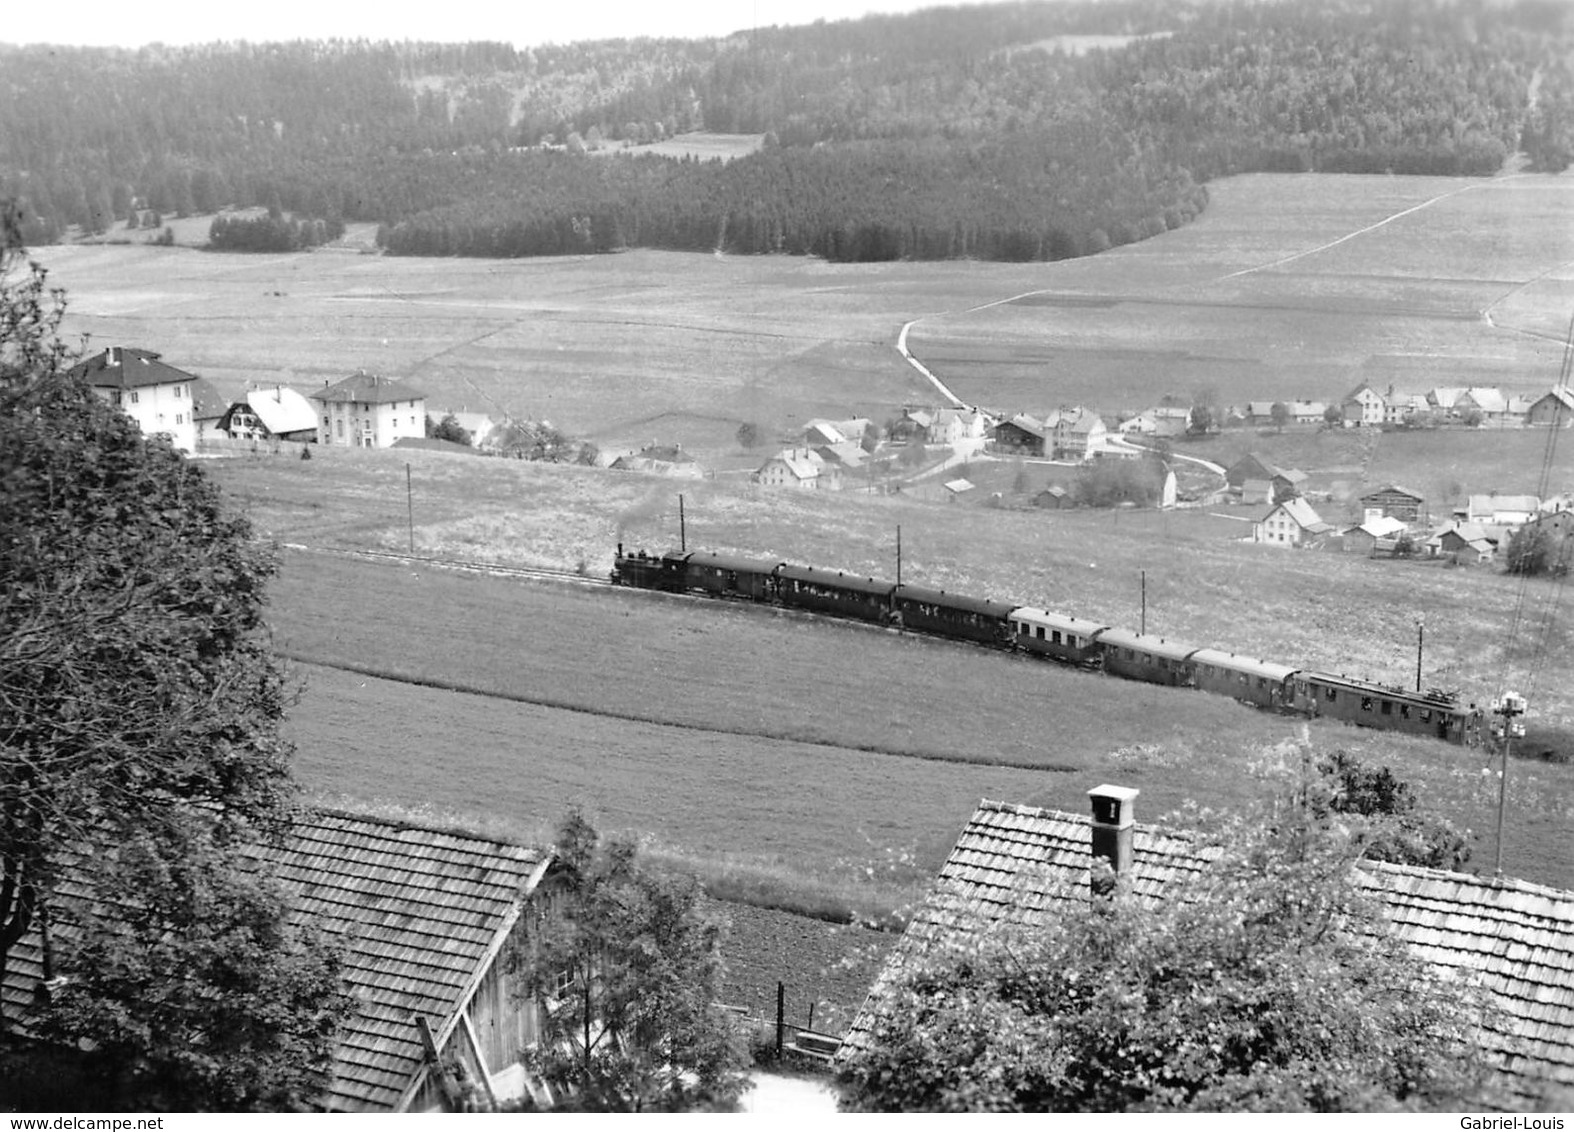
[{"x": 781, "y": 1002}]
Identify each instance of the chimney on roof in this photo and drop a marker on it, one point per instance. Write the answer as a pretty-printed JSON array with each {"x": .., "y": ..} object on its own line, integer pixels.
[
  {"x": 1113, "y": 810},
  {"x": 114, "y": 356}
]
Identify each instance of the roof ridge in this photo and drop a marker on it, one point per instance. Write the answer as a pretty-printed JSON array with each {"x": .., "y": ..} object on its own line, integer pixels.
[{"x": 431, "y": 826}]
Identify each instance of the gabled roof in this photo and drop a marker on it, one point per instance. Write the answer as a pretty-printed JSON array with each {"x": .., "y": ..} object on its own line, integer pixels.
[
  {"x": 1444, "y": 396},
  {"x": 127, "y": 367},
  {"x": 801, "y": 463},
  {"x": 846, "y": 453},
  {"x": 1301, "y": 512},
  {"x": 1396, "y": 489},
  {"x": 370, "y": 388},
  {"x": 1487, "y": 399},
  {"x": 282, "y": 409},
  {"x": 1487, "y": 504},
  {"x": 421, "y": 914},
  {"x": 1022, "y": 865},
  {"x": 206, "y": 402},
  {"x": 1030, "y": 425},
  {"x": 823, "y": 432},
  {"x": 1561, "y": 394},
  {"x": 1383, "y": 526}
]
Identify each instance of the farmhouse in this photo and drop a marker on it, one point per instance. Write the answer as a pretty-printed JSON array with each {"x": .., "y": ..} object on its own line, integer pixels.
[
  {"x": 1022, "y": 866},
  {"x": 1074, "y": 434},
  {"x": 1405, "y": 408},
  {"x": 1554, "y": 409},
  {"x": 1501, "y": 510},
  {"x": 818, "y": 432},
  {"x": 802, "y": 468},
  {"x": 1163, "y": 420},
  {"x": 367, "y": 411},
  {"x": 953, "y": 426},
  {"x": 1395, "y": 501},
  {"x": 154, "y": 394},
  {"x": 1489, "y": 402},
  {"x": 425, "y": 917},
  {"x": 1364, "y": 538},
  {"x": 1364, "y": 405},
  {"x": 1462, "y": 543},
  {"x": 268, "y": 414},
  {"x": 1290, "y": 523},
  {"x": 480, "y": 426},
  {"x": 1023, "y": 435},
  {"x": 207, "y": 408},
  {"x": 1053, "y": 497},
  {"x": 1249, "y": 467}
]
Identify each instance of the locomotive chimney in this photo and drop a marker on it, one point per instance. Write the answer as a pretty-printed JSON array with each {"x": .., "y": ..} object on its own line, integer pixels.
[{"x": 1113, "y": 809}]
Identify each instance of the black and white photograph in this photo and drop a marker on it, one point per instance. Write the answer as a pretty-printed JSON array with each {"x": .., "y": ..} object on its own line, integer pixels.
[{"x": 787, "y": 559}]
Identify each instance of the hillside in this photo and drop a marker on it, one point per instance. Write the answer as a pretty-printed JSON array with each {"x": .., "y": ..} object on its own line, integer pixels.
[{"x": 986, "y": 132}]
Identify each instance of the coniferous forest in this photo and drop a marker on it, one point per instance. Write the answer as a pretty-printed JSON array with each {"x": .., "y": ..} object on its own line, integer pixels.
[{"x": 982, "y": 132}]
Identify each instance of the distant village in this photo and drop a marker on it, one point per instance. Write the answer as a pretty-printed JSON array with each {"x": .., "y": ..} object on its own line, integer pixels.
[{"x": 922, "y": 450}]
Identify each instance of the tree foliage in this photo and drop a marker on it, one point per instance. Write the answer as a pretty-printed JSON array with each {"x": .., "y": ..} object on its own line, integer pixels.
[
  {"x": 139, "y": 711},
  {"x": 1266, "y": 983},
  {"x": 628, "y": 965},
  {"x": 448, "y": 429},
  {"x": 1536, "y": 549}
]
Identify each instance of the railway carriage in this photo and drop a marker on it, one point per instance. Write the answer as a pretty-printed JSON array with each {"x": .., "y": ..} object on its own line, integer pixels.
[
  {"x": 1143, "y": 656},
  {"x": 1263, "y": 683},
  {"x": 726, "y": 575},
  {"x": 1058, "y": 635},
  {"x": 831, "y": 591},
  {"x": 1376, "y": 705},
  {"x": 951, "y": 615}
]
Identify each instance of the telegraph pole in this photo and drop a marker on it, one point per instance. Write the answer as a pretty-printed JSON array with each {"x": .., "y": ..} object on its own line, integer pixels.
[
  {"x": 1144, "y": 627},
  {"x": 899, "y": 554},
  {"x": 409, "y": 506},
  {"x": 1508, "y": 707},
  {"x": 1420, "y": 637},
  {"x": 683, "y": 533}
]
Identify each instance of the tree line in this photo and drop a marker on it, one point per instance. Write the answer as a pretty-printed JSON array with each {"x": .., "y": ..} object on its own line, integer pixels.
[{"x": 979, "y": 132}]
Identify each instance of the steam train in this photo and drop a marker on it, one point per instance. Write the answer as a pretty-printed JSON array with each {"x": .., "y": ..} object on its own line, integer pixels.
[{"x": 1145, "y": 657}]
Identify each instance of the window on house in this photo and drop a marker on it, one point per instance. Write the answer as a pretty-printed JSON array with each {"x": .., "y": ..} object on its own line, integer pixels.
[
  {"x": 133, "y": 396},
  {"x": 340, "y": 429},
  {"x": 1331, "y": 694},
  {"x": 180, "y": 418},
  {"x": 1055, "y": 637},
  {"x": 1388, "y": 707},
  {"x": 1366, "y": 703},
  {"x": 1404, "y": 711}
]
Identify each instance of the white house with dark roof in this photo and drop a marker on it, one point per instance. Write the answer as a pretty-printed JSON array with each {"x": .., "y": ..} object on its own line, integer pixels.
[
  {"x": 425, "y": 917},
  {"x": 1292, "y": 522},
  {"x": 801, "y": 468},
  {"x": 1024, "y": 866},
  {"x": 151, "y": 392},
  {"x": 367, "y": 411}
]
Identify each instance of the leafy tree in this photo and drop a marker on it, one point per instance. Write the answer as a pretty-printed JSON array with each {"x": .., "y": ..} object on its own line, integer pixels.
[
  {"x": 1472, "y": 418},
  {"x": 914, "y": 454},
  {"x": 1200, "y": 422},
  {"x": 139, "y": 711},
  {"x": 1533, "y": 549},
  {"x": 1267, "y": 983},
  {"x": 1333, "y": 416},
  {"x": 748, "y": 434},
  {"x": 1279, "y": 413},
  {"x": 1395, "y": 831},
  {"x": 448, "y": 429},
  {"x": 628, "y": 965}
]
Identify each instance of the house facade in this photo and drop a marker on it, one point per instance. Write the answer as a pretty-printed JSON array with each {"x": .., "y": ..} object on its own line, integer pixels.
[
  {"x": 801, "y": 468},
  {"x": 272, "y": 413},
  {"x": 1024, "y": 866},
  {"x": 1395, "y": 501},
  {"x": 368, "y": 411},
  {"x": 1364, "y": 405},
  {"x": 1502, "y": 510},
  {"x": 1290, "y": 523},
  {"x": 1554, "y": 409},
  {"x": 1022, "y": 435},
  {"x": 1074, "y": 434},
  {"x": 156, "y": 395}
]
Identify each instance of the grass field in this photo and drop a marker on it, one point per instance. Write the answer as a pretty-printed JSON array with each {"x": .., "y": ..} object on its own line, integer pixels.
[
  {"x": 1475, "y": 286},
  {"x": 796, "y": 761}
]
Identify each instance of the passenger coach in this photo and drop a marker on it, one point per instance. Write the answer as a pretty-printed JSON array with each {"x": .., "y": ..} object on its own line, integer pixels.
[
  {"x": 725, "y": 575},
  {"x": 1059, "y": 635},
  {"x": 951, "y": 615},
  {"x": 1143, "y": 656},
  {"x": 1264, "y": 683},
  {"x": 831, "y": 591}
]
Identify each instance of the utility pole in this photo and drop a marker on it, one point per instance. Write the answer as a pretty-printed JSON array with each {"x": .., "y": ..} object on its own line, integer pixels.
[
  {"x": 1508, "y": 707},
  {"x": 683, "y": 532},
  {"x": 899, "y": 554},
  {"x": 1420, "y": 637},
  {"x": 1144, "y": 627},
  {"x": 409, "y": 506}
]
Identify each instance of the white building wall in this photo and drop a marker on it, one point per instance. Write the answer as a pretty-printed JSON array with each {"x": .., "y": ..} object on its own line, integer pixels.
[{"x": 165, "y": 409}]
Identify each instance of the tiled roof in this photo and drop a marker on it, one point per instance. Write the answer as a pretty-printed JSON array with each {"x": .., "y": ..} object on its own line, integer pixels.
[
  {"x": 1020, "y": 865},
  {"x": 126, "y": 367},
  {"x": 369, "y": 388},
  {"x": 419, "y": 912},
  {"x": 206, "y": 403}
]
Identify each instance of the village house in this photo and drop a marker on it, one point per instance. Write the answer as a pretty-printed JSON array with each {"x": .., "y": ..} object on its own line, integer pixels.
[
  {"x": 1406, "y": 408},
  {"x": 1162, "y": 420},
  {"x": 1553, "y": 409},
  {"x": 801, "y": 468},
  {"x": 1395, "y": 501},
  {"x": 1053, "y": 498},
  {"x": 480, "y": 426},
  {"x": 1501, "y": 510},
  {"x": 367, "y": 411},
  {"x": 1290, "y": 523},
  {"x": 660, "y": 460},
  {"x": 1489, "y": 402},
  {"x": 1074, "y": 434},
  {"x": 1463, "y": 543},
  {"x": 426, "y": 917},
  {"x": 151, "y": 392},
  {"x": 913, "y": 423},
  {"x": 818, "y": 432},
  {"x": 1379, "y": 532},
  {"x": 1364, "y": 405},
  {"x": 1023, "y": 866},
  {"x": 1022, "y": 435},
  {"x": 1445, "y": 398},
  {"x": 275, "y": 412},
  {"x": 1308, "y": 412},
  {"x": 953, "y": 426},
  {"x": 207, "y": 409}
]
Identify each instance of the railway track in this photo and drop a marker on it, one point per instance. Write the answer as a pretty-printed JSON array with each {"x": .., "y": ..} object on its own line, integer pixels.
[{"x": 467, "y": 565}]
